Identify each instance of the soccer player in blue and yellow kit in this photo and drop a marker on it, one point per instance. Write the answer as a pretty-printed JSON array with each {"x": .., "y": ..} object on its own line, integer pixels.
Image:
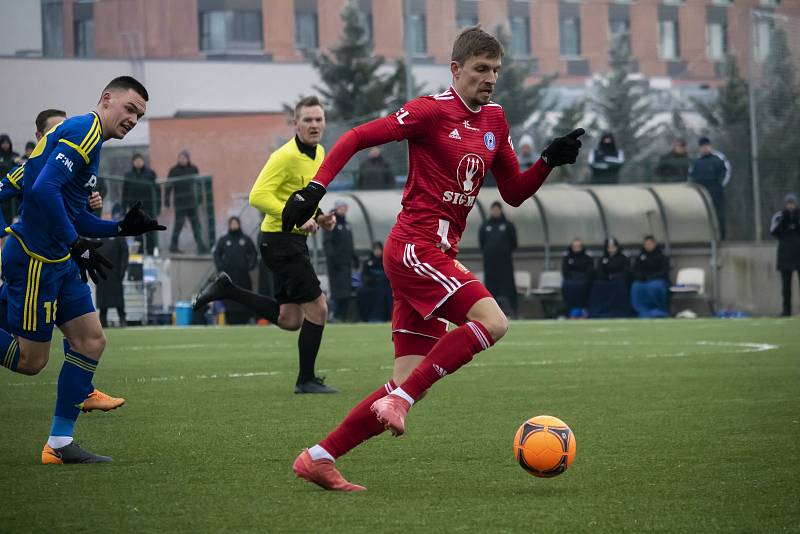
[{"x": 46, "y": 263}]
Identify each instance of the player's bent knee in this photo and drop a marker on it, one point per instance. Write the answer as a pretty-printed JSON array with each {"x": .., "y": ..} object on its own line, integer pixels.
[{"x": 91, "y": 345}]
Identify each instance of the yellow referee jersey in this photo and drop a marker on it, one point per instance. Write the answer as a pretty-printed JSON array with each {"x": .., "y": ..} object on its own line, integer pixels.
[{"x": 286, "y": 171}]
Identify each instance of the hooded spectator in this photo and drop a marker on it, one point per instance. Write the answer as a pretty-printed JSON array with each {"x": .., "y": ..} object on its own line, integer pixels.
[
  {"x": 29, "y": 146},
  {"x": 180, "y": 182},
  {"x": 606, "y": 160},
  {"x": 649, "y": 290},
  {"x": 235, "y": 253},
  {"x": 525, "y": 154},
  {"x": 577, "y": 270},
  {"x": 498, "y": 241},
  {"x": 785, "y": 227},
  {"x": 8, "y": 160},
  {"x": 374, "y": 173},
  {"x": 610, "y": 294}
]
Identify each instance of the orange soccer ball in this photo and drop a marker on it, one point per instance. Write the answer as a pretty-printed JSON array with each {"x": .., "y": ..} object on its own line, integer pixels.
[{"x": 544, "y": 446}]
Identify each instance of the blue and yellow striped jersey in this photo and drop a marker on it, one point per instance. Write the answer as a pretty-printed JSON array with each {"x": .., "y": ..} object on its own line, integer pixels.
[{"x": 57, "y": 178}]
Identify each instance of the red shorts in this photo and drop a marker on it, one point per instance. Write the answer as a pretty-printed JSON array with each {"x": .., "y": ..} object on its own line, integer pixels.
[{"x": 430, "y": 289}]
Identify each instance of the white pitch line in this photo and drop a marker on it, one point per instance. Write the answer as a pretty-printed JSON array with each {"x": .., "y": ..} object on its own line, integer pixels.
[{"x": 744, "y": 347}]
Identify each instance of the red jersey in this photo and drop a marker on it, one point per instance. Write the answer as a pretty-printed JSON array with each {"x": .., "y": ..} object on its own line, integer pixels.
[{"x": 451, "y": 148}]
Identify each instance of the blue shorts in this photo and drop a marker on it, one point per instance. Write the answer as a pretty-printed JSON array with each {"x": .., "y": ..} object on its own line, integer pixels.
[{"x": 38, "y": 295}]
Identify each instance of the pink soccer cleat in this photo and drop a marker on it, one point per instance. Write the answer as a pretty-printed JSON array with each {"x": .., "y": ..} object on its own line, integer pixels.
[
  {"x": 322, "y": 473},
  {"x": 391, "y": 410}
]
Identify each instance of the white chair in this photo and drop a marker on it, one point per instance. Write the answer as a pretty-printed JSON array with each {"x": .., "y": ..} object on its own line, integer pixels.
[
  {"x": 522, "y": 281},
  {"x": 549, "y": 283},
  {"x": 690, "y": 281}
]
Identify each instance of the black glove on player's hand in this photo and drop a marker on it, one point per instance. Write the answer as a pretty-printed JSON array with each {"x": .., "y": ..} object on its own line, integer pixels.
[
  {"x": 301, "y": 206},
  {"x": 137, "y": 222},
  {"x": 90, "y": 262},
  {"x": 563, "y": 150}
]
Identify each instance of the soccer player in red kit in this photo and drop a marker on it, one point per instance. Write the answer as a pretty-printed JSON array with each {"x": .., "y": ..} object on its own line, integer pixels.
[{"x": 454, "y": 139}]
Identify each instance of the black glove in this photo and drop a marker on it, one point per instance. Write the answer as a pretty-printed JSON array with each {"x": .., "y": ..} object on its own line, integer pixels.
[
  {"x": 301, "y": 206},
  {"x": 90, "y": 262},
  {"x": 137, "y": 222},
  {"x": 563, "y": 150}
]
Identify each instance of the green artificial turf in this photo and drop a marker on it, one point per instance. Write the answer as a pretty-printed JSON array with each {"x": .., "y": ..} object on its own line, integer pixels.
[{"x": 681, "y": 426}]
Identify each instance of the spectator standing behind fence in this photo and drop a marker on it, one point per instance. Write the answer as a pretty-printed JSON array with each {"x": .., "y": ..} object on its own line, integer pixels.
[
  {"x": 674, "y": 165},
  {"x": 375, "y": 294},
  {"x": 786, "y": 227},
  {"x": 606, "y": 160},
  {"x": 110, "y": 291},
  {"x": 235, "y": 253},
  {"x": 8, "y": 160},
  {"x": 29, "y": 146},
  {"x": 185, "y": 201},
  {"x": 374, "y": 173},
  {"x": 140, "y": 186},
  {"x": 649, "y": 290},
  {"x": 712, "y": 170},
  {"x": 498, "y": 240},
  {"x": 577, "y": 270},
  {"x": 341, "y": 258},
  {"x": 610, "y": 294}
]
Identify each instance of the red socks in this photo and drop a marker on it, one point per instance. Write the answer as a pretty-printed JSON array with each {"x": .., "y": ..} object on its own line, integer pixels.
[
  {"x": 453, "y": 350},
  {"x": 359, "y": 425}
]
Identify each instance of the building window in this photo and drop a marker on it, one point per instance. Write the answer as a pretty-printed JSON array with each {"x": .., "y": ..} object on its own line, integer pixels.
[
  {"x": 84, "y": 38},
  {"x": 365, "y": 7},
  {"x": 520, "y": 36},
  {"x": 419, "y": 34},
  {"x": 306, "y": 25},
  {"x": 230, "y": 30},
  {"x": 570, "y": 36},
  {"x": 668, "y": 39},
  {"x": 466, "y": 13},
  {"x": 52, "y": 28},
  {"x": 763, "y": 39},
  {"x": 716, "y": 41},
  {"x": 619, "y": 24}
]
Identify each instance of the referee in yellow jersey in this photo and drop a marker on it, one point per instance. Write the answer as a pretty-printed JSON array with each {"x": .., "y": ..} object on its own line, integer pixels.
[{"x": 299, "y": 302}]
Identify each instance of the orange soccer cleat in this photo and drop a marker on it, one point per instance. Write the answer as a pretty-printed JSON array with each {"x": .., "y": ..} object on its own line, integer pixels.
[
  {"x": 391, "y": 410},
  {"x": 97, "y": 400},
  {"x": 322, "y": 473}
]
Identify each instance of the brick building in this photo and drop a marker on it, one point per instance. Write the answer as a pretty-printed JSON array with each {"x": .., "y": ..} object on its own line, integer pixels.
[{"x": 685, "y": 40}]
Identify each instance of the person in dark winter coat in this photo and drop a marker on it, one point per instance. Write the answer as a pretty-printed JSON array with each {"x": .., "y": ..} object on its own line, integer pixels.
[
  {"x": 341, "y": 258},
  {"x": 185, "y": 201},
  {"x": 606, "y": 160},
  {"x": 712, "y": 170},
  {"x": 235, "y": 253},
  {"x": 674, "y": 165},
  {"x": 375, "y": 294},
  {"x": 140, "y": 186},
  {"x": 498, "y": 240},
  {"x": 8, "y": 160},
  {"x": 649, "y": 290},
  {"x": 610, "y": 294},
  {"x": 110, "y": 292},
  {"x": 785, "y": 227},
  {"x": 526, "y": 156},
  {"x": 577, "y": 270},
  {"x": 374, "y": 173}
]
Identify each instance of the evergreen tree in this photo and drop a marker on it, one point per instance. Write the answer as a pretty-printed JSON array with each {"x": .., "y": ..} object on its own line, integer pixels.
[
  {"x": 399, "y": 97},
  {"x": 571, "y": 117},
  {"x": 622, "y": 103},
  {"x": 353, "y": 86}
]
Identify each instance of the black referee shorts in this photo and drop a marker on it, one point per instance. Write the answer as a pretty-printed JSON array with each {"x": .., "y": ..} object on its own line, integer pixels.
[{"x": 286, "y": 255}]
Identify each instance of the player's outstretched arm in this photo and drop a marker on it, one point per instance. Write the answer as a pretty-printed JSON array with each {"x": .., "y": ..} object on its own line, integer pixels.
[
  {"x": 302, "y": 204},
  {"x": 516, "y": 187}
]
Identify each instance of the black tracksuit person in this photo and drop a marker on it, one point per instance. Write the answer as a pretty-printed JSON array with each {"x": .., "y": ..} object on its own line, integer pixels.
[
  {"x": 498, "y": 240},
  {"x": 606, "y": 160},
  {"x": 610, "y": 294},
  {"x": 235, "y": 253},
  {"x": 185, "y": 201},
  {"x": 577, "y": 269},
  {"x": 140, "y": 186},
  {"x": 375, "y": 293},
  {"x": 785, "y": 227},
  {"x": 341, "y": 258},
  {"x": 713, "y": 171}
]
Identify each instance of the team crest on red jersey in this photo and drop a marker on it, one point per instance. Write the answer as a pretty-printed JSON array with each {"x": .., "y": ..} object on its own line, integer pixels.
[{"x": 470, "y": 172}]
